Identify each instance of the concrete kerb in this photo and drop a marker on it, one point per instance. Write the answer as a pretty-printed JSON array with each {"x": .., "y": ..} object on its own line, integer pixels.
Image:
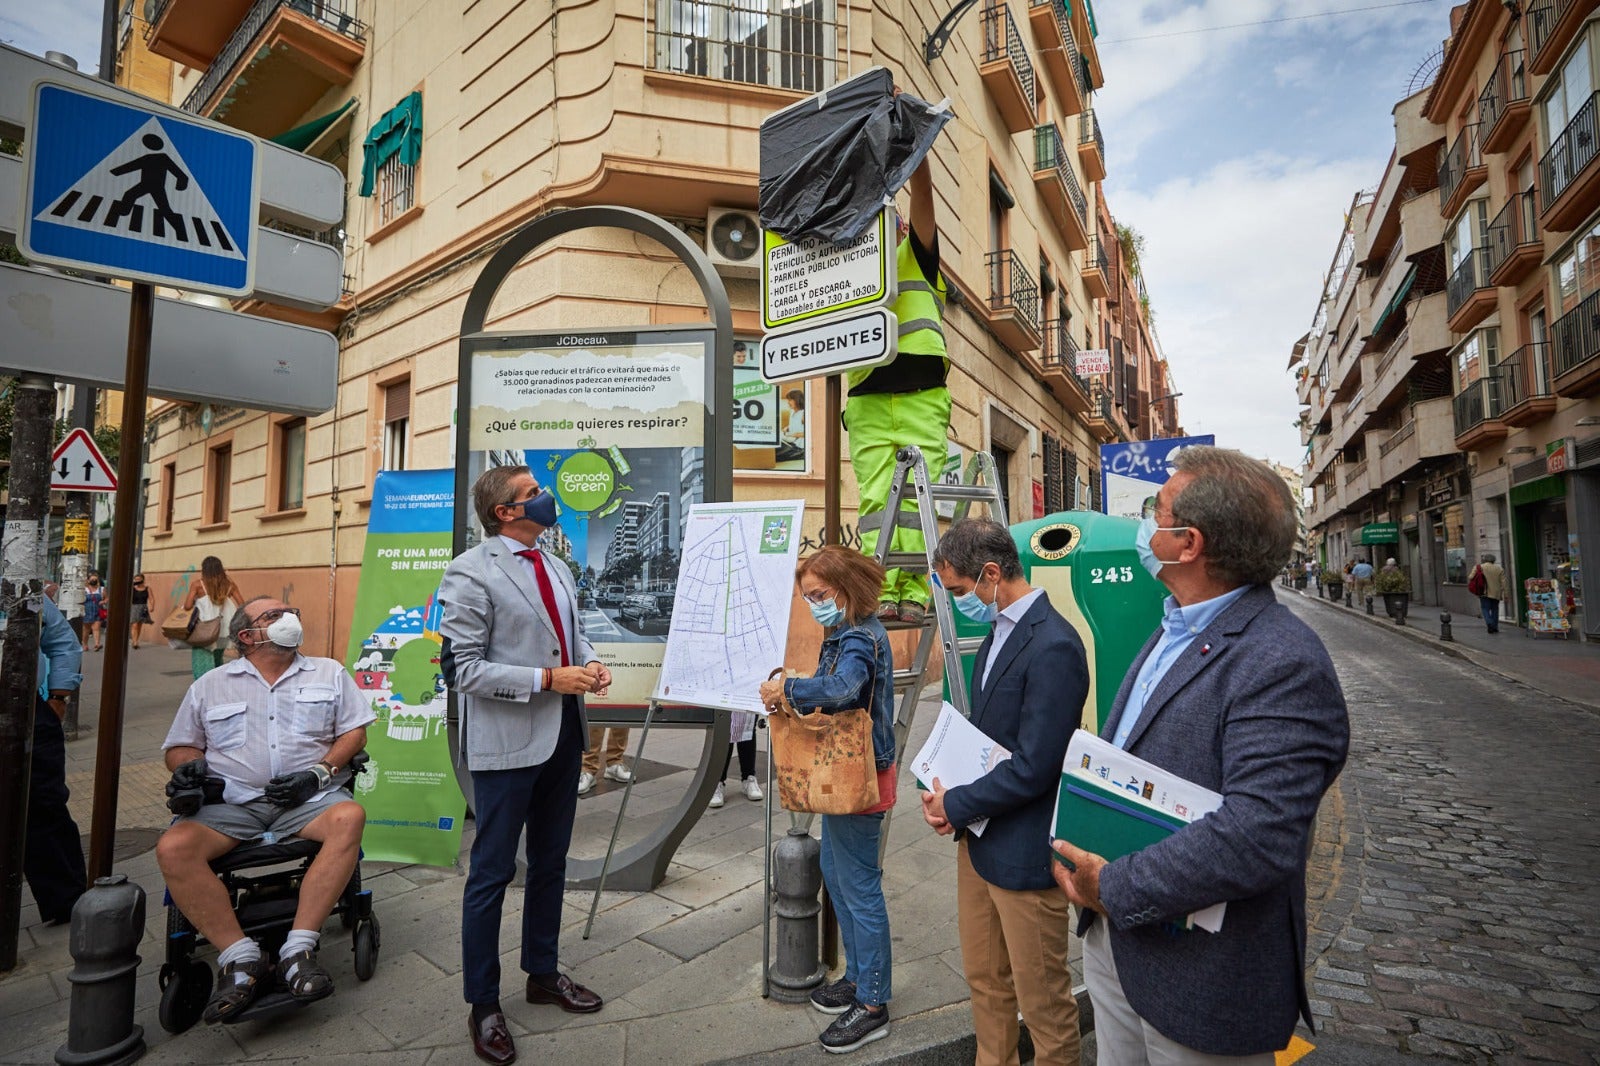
[{"x": 1417, "y": 635}]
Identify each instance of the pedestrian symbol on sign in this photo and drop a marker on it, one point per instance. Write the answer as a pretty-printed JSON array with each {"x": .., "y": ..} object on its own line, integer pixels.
[{"x": 112, "y": 197}]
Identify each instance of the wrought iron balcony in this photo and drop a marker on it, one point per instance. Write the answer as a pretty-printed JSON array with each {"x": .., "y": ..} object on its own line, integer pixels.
[
  {"x": 1096, "y": 271},
  {"x": 1013, "y": 299},
  {"x": 1503, "y": 104},
  {"x": 1091, "y": 146},
  {"x": 1550, "y": 25},
  {"x": 242, "y": 44},
  {"x": 1059, "y": 357},
  {"x": 1058, "y": 50},
  {"x": 1477, "y": 405},
  {"x": 1515, "y": 245},
  {"x": 790, "y": 46},
  {"x": 1525, "y": 385},
  {"x": 1575, "y": 352},
  {"x": 1006, "y": 70},
  {"x": 1054, "y": 176},
  {"x": 1567, "y": 165},
  {"x": 1460, "y": 170},
  {"x": 1468, "y": 279}
]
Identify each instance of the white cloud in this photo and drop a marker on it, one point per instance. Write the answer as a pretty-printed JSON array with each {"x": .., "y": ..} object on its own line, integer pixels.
[
  {"x": 70, "y": 26},
  {"x": 1233, "y": 260}
]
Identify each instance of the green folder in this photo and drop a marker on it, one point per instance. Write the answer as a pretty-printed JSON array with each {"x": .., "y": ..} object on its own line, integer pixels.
[{"x": 1107, "y": 821}]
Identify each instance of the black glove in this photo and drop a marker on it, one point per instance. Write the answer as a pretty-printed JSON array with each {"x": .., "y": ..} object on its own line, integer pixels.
[
  {"x": 291, "y": 790},
  {"x": 186, "y": 790}
]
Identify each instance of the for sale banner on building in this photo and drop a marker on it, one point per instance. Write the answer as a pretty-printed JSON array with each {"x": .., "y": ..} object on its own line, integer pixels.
[
  {"x": 414, "y": 806},
  {"x": 1131, "y": 474}
]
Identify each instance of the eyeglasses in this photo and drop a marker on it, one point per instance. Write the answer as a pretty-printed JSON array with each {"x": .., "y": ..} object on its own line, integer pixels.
[
  {"x": 819, "y": 597},
  {"x": 269, "y": 616}
]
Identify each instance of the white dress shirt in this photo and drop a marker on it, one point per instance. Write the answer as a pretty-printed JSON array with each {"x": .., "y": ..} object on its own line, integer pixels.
[
  {"x": 564, "y": 604},
  {"x": 1004, "y": 624}
]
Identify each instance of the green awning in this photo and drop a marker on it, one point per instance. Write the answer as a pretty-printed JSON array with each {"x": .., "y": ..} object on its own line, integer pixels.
[
  {"x": 398, "y": 132},
  {"x": 1380, "y": 533},
  {"x": 1088, "y": 9},
  {"x": 301, "y": 137},
  {"x": 1398, "y": 301}
]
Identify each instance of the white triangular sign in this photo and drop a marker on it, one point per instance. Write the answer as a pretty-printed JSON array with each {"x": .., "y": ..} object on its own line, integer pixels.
[
  {"x": 146, "y": 192},
  {"x": 77, "y": 466}
]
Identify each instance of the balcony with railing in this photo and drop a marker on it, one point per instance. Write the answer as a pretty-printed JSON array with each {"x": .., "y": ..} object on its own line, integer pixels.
[
  {"x": 1470, "y": 295},
  {"x": 1013, "y": 300},
  {"x": 1515, "y": 243},
  {"x": 1058, "y": 186},
  {"x": 191, "y": 32},
  {"x": 1096, "y": 269},
  {"x": 1503, "y": 106},
  {"x": 1461, "y": 170},
  {"x": 1060, "y": 361},
  {"x": 280, "y": 60},
  {"x": 1477, "y": 414},
  {"x": 1101, "y": 418},
  {"x": 1058, "y": 51},
  {"x": 1569, "y": 177},
  {"x": 1575, "y": 349},
  {"x": 1006, "y": 70},
  {"x": 1091, "y": 147},
  {"x": 1551, "y": 25},
  {"x": 794, "y": 47},
  {"x": 1525, "y": 393}
]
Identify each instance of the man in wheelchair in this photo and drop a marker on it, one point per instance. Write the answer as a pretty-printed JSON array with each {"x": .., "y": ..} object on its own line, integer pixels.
[{"x": 260, "y": 751}]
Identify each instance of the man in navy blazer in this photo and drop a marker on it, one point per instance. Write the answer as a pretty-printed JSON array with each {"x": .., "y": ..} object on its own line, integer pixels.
[
  {"x": 1236, "y": 694},
  {"x": 1029, "y": 681}
]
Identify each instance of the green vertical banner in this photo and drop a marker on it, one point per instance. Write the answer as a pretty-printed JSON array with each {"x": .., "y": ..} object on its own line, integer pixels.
[{"x": 414, "y": 805}]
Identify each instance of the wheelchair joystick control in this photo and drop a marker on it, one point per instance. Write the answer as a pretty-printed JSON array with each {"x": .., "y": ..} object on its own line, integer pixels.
[{"x": 107, "y": 922}]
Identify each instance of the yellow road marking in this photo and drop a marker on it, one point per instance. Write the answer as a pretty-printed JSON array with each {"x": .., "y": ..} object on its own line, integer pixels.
[{"x": 1297, "y": 1050}]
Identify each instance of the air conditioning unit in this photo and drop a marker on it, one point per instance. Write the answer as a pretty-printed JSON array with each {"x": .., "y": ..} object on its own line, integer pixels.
[{"x": 733, "y": 241}]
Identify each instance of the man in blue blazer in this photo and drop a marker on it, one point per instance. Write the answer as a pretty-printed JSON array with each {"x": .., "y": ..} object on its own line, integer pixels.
[
  {"x": 1029, "y": 681},
  {"x": 1236, "y": 694}
]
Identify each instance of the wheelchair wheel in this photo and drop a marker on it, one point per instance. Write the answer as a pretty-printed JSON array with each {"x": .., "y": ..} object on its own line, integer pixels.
[
  {"x": 365, "y": 944},
  {"x": 184, "y": 992}
]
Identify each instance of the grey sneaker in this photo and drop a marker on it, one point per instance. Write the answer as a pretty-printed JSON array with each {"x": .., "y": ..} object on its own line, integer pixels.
[
  {"x": 855, "y": 1027},
  {"x": 835, "y": 998}
]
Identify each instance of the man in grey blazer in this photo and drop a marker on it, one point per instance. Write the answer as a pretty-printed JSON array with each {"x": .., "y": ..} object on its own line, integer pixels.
[
  {"x": 1236, "y": 694},
  {"x": 522, "y": 668}
]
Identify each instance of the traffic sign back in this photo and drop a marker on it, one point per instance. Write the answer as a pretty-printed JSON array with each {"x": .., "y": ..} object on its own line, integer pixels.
[
  {"x": 77, "y": 466},
  {"x": 139, "y": 194}
]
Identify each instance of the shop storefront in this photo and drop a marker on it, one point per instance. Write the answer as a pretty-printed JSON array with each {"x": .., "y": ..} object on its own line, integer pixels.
[
  {"x": 1550, "y": 515},
  {"x": 1445, "y": 516}
]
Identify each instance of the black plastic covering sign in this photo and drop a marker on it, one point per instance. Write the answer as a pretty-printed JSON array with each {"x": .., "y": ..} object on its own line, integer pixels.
[{"x": 830, "y": 162}]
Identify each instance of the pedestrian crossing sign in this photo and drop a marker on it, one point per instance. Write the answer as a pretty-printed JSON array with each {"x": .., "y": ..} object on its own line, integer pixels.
[{"x": 142, "y": 194}]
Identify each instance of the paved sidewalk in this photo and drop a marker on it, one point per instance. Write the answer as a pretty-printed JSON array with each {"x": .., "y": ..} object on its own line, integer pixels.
[{"x": 1566, "y": 668}]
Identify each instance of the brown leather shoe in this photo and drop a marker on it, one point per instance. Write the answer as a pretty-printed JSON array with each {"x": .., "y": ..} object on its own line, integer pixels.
[
  {"x": 567, "y": 994},
  {"x": 491, "y": 1040}
]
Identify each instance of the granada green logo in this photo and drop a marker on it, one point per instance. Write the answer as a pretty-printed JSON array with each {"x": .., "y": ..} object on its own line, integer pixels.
[
  {"x": 585, "y": 481},
  {"x": 774, "y": 534}
]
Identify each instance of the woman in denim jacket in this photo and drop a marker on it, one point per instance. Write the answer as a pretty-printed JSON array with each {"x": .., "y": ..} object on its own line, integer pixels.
[{"x": 855, "y": 669}]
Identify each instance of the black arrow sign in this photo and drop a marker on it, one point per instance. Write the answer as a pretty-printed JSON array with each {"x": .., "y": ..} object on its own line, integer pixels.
[
  {"x": 63, "y": 470},
  {"x": 88, "y": 469}
]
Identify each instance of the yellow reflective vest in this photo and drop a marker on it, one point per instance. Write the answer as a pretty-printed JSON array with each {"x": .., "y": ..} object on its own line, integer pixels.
[{"x": 919, "y": 307}]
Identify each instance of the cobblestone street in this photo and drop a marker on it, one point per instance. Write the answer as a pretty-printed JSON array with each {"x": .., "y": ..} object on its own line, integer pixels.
[{"x": 1454, "y": 884}]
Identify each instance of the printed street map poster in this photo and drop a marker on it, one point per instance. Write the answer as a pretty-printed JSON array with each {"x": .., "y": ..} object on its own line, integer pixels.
[
  {"x": 414, "y": 806},
  {"x": 730, "y": 622}
]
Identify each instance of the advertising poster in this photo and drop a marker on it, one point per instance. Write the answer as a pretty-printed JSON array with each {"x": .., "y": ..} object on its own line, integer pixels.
[
  {"x": 1131, "y": 474},
  {"x": 414, "y": 806},
  {"x": 614, "y": 426},
  {"x": 769, "y": 421}
]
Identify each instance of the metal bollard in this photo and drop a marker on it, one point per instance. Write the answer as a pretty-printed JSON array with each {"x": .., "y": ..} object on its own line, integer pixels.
[
  {"x": 796, "y": 880},
  {"x": 107, "y": 923},
  {"x": 1444, "y": 627},
  {"x": 1347, "y": 602},
  {"x": 1369, "y": 604}
]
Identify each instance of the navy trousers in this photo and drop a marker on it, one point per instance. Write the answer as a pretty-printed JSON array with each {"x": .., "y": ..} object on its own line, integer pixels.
[
  {"x": 543, "y": 799},
  {"x": 52, "y": 860}
]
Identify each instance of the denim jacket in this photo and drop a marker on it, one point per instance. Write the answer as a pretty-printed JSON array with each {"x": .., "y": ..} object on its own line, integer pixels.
[{"x": 853, "y": 655}]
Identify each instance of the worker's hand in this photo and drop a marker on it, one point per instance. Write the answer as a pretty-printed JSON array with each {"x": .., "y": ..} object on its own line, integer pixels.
[
  {"x": 291, "y": 790},
  {"x": 58, "y": 704},
  {"x": 575, "y": 680},
  {"x": 186, "y": 790},
  {"x": 933, "y": 810},
  {"x": 602, "y": 677}
]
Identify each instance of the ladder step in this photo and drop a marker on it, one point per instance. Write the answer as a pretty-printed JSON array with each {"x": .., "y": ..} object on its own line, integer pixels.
[
  {"x": 913, "y": 561},
  {"x": 984, "y": 493},
  {"x": 968, "y": 645}
]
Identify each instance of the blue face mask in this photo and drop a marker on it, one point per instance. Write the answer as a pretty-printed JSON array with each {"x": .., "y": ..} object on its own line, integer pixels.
[
  {"x": 827, "y": 613},
  {"x": 1141, "y": 544},
  {"x": 973, "y": 607},
  {"x": 540, "y": 509}
]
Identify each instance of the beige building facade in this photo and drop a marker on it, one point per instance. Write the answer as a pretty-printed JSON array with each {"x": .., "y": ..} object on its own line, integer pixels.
[{"x": 509, "y": 110}]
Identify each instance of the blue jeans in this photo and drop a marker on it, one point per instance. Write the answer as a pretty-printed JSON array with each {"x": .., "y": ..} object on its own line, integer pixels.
[
  {"x": 854, "y": 878},
  {"x": 1491, "y": 612}
]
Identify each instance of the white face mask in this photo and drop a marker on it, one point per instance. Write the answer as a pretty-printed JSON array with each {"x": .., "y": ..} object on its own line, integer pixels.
[{"x": 285, "y": 631}]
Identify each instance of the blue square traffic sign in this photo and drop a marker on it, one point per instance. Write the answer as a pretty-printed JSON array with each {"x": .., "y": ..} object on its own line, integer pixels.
[{"x": 139, "y": 194}]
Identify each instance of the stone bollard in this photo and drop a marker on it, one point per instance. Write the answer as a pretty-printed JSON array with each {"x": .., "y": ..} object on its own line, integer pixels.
[
  {"x": 1444, "y": 627},
  {"x": 796, "y": 880},
  {"x": 107, "y": 924}
]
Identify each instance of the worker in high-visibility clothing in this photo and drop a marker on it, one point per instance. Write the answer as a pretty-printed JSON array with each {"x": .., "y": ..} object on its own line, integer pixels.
[{"x": 904, "y": 401}]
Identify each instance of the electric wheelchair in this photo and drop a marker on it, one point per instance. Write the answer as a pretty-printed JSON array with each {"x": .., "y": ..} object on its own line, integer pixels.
[{"x": 263, "y": 883}]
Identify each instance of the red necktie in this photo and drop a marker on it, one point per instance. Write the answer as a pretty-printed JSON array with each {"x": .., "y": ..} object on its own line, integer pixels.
[{"x": 547, "y": 593}]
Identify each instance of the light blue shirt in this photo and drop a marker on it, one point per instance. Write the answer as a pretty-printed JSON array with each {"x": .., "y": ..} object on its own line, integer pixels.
[
  {"x": 60, "y": 651},
  {"x": 1004, "y": 624},
  {"x": 1179, "y": 626},
  {"x": 1361, "y": 571}
]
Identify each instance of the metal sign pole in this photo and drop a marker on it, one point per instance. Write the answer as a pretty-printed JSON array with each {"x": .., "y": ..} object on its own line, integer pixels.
[
  {"x": 113, "y": 685},
  {"x": 832, "y": 532}
]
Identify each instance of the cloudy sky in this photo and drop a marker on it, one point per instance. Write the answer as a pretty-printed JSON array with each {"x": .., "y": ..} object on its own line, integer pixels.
[{"x": 1237, "y": 132}]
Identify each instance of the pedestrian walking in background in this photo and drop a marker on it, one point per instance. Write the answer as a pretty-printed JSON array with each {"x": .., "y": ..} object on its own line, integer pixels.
[
  {"x": 94, "y": 612},
  {"x": 1362, "y": 575},
  {"x": 742, "y": 730},
  {"x": 215, "y": 597},
  {"x": 855, "y": 669},
  {"x": 139, "y": 615},
  {"x": 614, "y": 746},
  {"x": 1488, "y": 583}
]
